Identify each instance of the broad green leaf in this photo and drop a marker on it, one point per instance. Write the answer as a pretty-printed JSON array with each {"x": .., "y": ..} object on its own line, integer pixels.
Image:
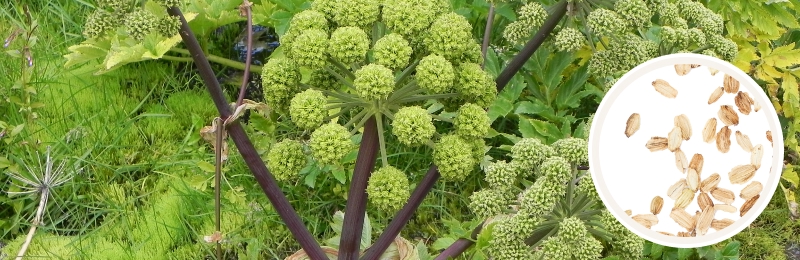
[
  {"x": 260, "y": 12},
  {"x": 791, "y": 176},
  {"x": 213, "y": 14},
  {"x": 17, "y": 129},
  {"x": 492, "y": 63},
  {"x": 546, "y": 129},
  {"x": 527, "y": 107},
  {"x": 206, "y": 167},
  {"x": 783, "y": 56},
  {"x": 791, "y": 95},
  {"x": 504, "y": 103},
  {"x": 656, "y": 250},
  {"x": 555, "y": 66},
  {"x": 527, "y": 130},
  {"x": 340, "y": 175},
  {"x": 443, "y": 243},
  {"x": 82, "y": 53},
  {"x": 311, "y": 177},
  {"x": 422, "y": 251},
  {"x": 744, "y": 58},
  {"x": 685, "y": 253},
  {"x": 4, "y": 162},
  {"x": 731, "y": 251}
]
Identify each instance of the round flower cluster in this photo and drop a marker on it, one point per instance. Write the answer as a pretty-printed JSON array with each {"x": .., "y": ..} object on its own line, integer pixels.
[
  {"x": 285, "y": 159},
  {"x": 308, "y": 109},
  {"x": 529, "y": 17},
  {"x": 330, "y": 143},
  {"x": 413, "y": 125},
  {"x": 136, "y": 22},
  {"x": 387, "y": 189}
]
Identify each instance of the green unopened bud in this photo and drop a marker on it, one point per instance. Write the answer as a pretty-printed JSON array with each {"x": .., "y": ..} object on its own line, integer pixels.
[
  {"x": 605, "y": 22},
  {"x": 286, "y": 159},
  {"x": 308, "y": 49},
  {"x": 307, "y": 109},
  {"x": 435, "y": 74},
  {"x": 471, "y": 121},
  {"x": 388, "y": 189},
  {"x": 454, "y": 158},
  {"x": 392, "y": 51},
  {"x": 374, "y": 82},
  {"x": 413, "y": 126},
  {"x": 330, "y": 143},
  {"x": 348, "y": 45},
  {"x": 569, "y": 39}
]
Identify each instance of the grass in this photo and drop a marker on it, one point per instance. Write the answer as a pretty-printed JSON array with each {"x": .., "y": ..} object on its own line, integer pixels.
[{"x": 136, "y": 131}]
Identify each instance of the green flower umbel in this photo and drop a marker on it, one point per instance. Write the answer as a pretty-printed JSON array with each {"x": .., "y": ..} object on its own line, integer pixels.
[
  {"x": 330, "y": 143},
  {"x": 388, "y": 189},
  {"x": 435, "y": 74},
  {"x": 392, "y": 51},
  {"x": 374, "y": 82},
  {"x": 454, "y": 158},
  {"x": 308, "y": 109},
  {"x": 348, "y": 44},
  {"x": 285, "y": 160},
  {"x": 471, "y": 121},
  {"x": 413, "y": 126}
]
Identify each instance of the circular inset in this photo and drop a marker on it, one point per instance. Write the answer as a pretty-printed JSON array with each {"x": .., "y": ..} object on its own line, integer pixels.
[{"x": 679, "y": 132}]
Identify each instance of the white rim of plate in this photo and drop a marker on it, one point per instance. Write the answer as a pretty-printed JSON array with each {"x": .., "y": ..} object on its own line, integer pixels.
[{"x": 745, "y": 82}]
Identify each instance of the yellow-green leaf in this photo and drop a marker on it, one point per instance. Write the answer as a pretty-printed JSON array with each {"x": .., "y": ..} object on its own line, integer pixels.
[
  {"x": 744, "y": 58},
  {"x": 783, "y": 56}
]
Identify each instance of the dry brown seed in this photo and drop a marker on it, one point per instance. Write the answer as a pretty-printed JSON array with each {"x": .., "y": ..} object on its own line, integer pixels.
[
  {"x": 725, "y": 207},
  {"x": 715, "y": 95},
  {"x": 756, "y": 156},
  {"x": 676, "y": 189},
  {"x": 684, "y": 234},
  {"x": 769, "y": 137},
  {"x": 694, "y": 65},
  {"x": 632, "y": 125},
  {"x": 697, "y": 163},
  {"x": 731, "y": 85},
  {"x": 686, "y": 198},
  {"x": 704, "y": 220},
  {"x": 629, "y": 212},
  {"x": 744, "y": 141},
  {"x": 682, "y": 121},
  {"x": 646, "y": 220},
  {"x": 663, "y": 87},
  {"x": 710, "y": 183},
  {"x": 727, "y": 115},
  {"x": 704, "y": 200},
  {"x": 724, "y": 195},
  {"x": 683, "y": 69},
  {"x": 719, "y": 224},
  {"x": 713, "y": 71},
  {"x": 710, "y": 130},
  {"x": 656, "y": 204},
  {"x": 692, "y": 179},
  {"x": 666, "y": 233},
  {"x": 657, "y": 143},
  {"x": 742, "y": 173},
  {"x": 748, "y": 204},
  {"x": 683, "y": 218},
  {"x": 680, "y": 160},
  {"x": 756, "y": 106},
  {"x": 675, "y": 139},
  {"x": 724, "y": 139},
  {"x": 751, "y": 190},
  {"x": 743, "y": 102}
]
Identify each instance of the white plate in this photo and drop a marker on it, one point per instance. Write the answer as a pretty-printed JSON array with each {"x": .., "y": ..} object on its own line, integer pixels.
[{"x": 627, "y": 175}]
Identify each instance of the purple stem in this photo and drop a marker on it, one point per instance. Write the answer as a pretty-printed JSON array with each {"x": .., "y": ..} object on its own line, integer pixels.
[
  {"x": 487, "y": 34},
  {"x": 245, "y": 147},
  {"x": 245, "y": 7}
]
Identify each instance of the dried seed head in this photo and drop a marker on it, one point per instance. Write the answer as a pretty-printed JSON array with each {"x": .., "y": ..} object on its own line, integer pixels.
[
  {"x": 710, "y": 183},
  {"x": 742, "y": 173},
  {"x": 683, "y": 219},
  {"x": 676, "y": 189},
  {"x": 710, "y": 130},
  {"x": 751, "y": 190},
  {"x": 657, "y": 143},
  {"x": 748, "y": 205},
  {"x": 743, "y": 102},
  {"x": 724, "y": 139},
  {"x": 744, "y": 141},
  {"x": 725, "y": 207},
  {"x": 646, "y": 220},
  {"x": 727, "y": 115},
  {"x": 692, "y": 179},
  {"x": 720, "y": 224},
  {"x": 686, "y": 198},
  {"x": 704, "y": 220},
  {"x": 680, "y": 160},
  {"x": 682, "y": 121},
  {"x": 683, "y": 69},
  {"x": 724, "y": 195},
  {"x": 697, "y": 163},
  {"x": 756, "y": 156},
  {"x": 731, "y": 85},
  {"x": 663, "y": 87},
  {"x": 715, "y": 95},
  {"x": 675, "y": 139},
  {"x": 656, "y": 204},
  {"x": 704, "y": 200},
  {"x": 632, "y": 125}
]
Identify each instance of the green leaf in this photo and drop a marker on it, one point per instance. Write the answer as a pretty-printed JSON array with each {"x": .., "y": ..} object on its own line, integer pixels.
[
  {"x": 492, "y": 63},
  {"x": 685, "y": 253},
  {"x": 546, "y": 129},
  {"x": 443, "y": 243},
  {"x": 783, "y": 56},
  {"x": 504, "y": 103},
  {"x": 4, "y": 162},
  {"x": 730, "y": 252},
  {"x": 340, "y": 175},
  {"x": 527, "y": 107},
  {"x": 527, "y": 130},
  {"x": 17, "y": 129},
  {"x": 422, "y": 251},
  {"x": 311, "y": 177},
  {"x": 206, "y": 167},
  {"x": 656, "y": 250}
]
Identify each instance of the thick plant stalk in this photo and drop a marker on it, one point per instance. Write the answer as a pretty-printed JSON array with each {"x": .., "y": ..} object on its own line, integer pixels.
[
  {"x": 461, "y": 245},
  {"x": 560, "y": 9},
  {"x": 487, "y": 34},
  {"x": 350, "y": 240},
  {"x": 217, "y": 181},
  {"x": 404, "y": 215},
  {"x": 37, "y": 219},
  {"x": 245, "y": 147}
]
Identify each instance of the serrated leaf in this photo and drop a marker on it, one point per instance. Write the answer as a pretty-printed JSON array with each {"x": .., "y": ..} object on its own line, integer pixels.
[
  {"x": 791, "y": 95},
  {"x": 744, "y": 58},
  {"x": 340, "y": 175},
  {"x": 791, "y": 176},
  {"x": 443, "y": 243},
  {"x": 783, "y": 56},
  {"x": 656, "y": 250},
  {"x": 685, "y": 253},
  {"x": 206, "y": 167}
]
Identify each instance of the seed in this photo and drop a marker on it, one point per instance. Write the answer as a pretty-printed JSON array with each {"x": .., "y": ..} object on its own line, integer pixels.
[
  {"x": 710, "y": 183},
  {"x": 675, "y": 139},
  {"x": 632, "y": 125},
  {"x": 676, "y": 189},
  {"x": 751, "y": 190},
  {"x": 686, "y": 197},
  {"x": 725, "y": 207},
  {"x": 742, "y": 173},
  {"x": 769, "y": 137},
  {"x": 629, "y": 212},
  {"x": 748, "y": 204},
  {"x": 647, "y": 220},
  {"x": 713, "y": 71},
  {"x": 666, "y": 233},
  {"x": 744, "y": 141},
  {"x": 719, "y": 224},
  {"x": 656, "y": 204},
  {"x": 682, "y": 121},
  {"x": 704, "y": 220},
  {"x": 724, "y": 195},
  {"x": 680, "y": 160},
  {"x": 743, "y": 102},
  {"x": 694, "y": 65},
  {"x": 683, "y": 69},
  {"x": 715, "y": 95},
  {"x": 727, "y": 115},
  {"x": 756, "y": 156},
  {"x": 684, "y": 234},
  {"x": 731, "y": 85},
  {"x": 724, "y": 139},
  {"x": 756, "y": 106},
  {"x": 692, "y": 179},
  {"x": 710, "y": 130},
  {"x": 682, "y": 218},
  {"x": 663, "y": 87},
  {"x": 697, "y": 163},
  {"x": 704, "y": 200},
  {"x": 657, "y": 143}
]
